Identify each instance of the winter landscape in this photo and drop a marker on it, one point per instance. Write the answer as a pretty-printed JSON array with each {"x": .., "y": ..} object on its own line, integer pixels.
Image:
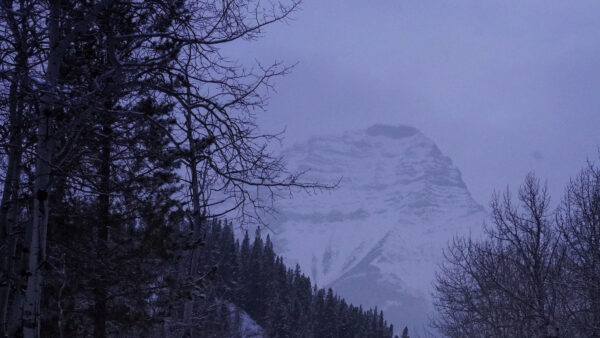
[{"x": 299, "y": 168}]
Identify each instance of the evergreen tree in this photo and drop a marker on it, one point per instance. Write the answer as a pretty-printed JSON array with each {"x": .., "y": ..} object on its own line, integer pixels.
[{"x": 287, "y": 307}]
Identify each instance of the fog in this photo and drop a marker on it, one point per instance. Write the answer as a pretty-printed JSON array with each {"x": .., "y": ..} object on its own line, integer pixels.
[{"x": 503, "y": 87}]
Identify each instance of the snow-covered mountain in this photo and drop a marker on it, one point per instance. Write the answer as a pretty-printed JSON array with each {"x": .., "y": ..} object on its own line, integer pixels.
[{"x": 376, "y": 240}]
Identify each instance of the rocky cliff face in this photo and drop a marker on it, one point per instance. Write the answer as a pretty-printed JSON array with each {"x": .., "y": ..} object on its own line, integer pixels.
[{"x": 377, "y": 239}]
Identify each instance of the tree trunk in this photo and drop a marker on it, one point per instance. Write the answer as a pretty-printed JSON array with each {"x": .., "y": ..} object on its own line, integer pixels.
[
  {"x": 100, "y": 291},
  {"x": 9, "y": 208},
  {"x": 36, "y": 230},
  {"x": 196, "y": 221}
]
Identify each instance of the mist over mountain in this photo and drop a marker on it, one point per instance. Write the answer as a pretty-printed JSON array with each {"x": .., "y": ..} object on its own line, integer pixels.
[{"x": 377, "y": 238}]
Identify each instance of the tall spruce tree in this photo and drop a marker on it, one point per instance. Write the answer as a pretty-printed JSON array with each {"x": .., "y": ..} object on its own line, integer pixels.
[{"x": 405, "y": 333}]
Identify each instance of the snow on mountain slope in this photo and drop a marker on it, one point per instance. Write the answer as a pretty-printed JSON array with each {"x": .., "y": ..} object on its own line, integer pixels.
[
  {"x": 246, "y": 326},
  {"x": 376, "y": 240}
]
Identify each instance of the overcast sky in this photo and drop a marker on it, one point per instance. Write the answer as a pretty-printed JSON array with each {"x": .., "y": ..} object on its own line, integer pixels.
[{"x": 503, "y": 87}]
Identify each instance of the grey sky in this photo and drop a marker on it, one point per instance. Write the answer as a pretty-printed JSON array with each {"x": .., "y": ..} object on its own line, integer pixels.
[{"x": 503, "y": 87}]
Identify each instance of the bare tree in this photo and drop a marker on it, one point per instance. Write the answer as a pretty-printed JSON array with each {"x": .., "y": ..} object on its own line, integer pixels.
[
  {"x": 508, "y": 284},
  {"x": 18, "y": 47},
  {"x": 579, "y": 224}
]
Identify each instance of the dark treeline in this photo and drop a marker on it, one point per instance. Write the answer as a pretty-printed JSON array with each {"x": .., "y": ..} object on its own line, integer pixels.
[
  {"x": 535, "y": 274},
  {"x": 249, "y": 276},
  {"x": 145, "y": 297}
]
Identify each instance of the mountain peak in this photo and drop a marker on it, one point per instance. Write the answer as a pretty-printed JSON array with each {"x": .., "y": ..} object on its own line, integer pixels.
[{"x": 378, "y": 238}]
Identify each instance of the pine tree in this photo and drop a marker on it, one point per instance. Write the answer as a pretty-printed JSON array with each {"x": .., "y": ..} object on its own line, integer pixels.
[
  {"x": 258, "y": 279},
  {"x": 132, "y": 236}
]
